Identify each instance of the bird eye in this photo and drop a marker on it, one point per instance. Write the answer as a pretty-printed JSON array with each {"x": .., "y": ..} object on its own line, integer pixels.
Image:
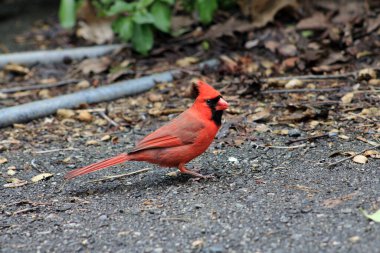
[{"x": 208, "y": 101}]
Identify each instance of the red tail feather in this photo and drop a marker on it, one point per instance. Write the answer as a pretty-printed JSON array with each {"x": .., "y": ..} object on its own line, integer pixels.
[{"x": 97, "y": 166}]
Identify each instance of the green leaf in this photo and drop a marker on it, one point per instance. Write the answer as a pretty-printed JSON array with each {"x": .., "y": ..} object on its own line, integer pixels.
[
  {"x": 143, "y": 17},
  {"x": 170, "y": 2},
  {"x": 162, "y": 16},
  {"x": 124, "y": 27},
  {"x": 142, "y": 4},
  {"x": 67, "y": 14},
  {"x": 142, "y": 39},
  {"x": 121, "y": 7},
  {"x": 375, "y": 216},
  {"x": 206, "y": 9}
]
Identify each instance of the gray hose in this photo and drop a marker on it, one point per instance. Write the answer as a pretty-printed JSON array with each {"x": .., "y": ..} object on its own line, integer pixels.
[
  {"x": 49, "y": 56},
  {"x": 37, "y": 109}
]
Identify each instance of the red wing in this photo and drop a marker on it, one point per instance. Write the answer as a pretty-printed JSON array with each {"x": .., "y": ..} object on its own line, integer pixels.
[
  {"x": 159, "y": 142},
  {"x": 183, "y": 130}
]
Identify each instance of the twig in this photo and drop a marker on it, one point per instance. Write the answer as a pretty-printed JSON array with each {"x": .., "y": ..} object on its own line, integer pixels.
[
  {"x": 282, "y": 147},
  {"x": 298, "y": 90},
  {"x": 38, "y": 87},
  {"x": 111, "y": 121},
  {"x": 311, "y": 138},
  {"x": 310, "y": 77},
  {"x": 54, "y": 150},
  {"x": 351, "y": 156},
  {"x": 119, "y": 176},
  {"x": 35, "y": 166},
  {"x": 29, "y": 209}
]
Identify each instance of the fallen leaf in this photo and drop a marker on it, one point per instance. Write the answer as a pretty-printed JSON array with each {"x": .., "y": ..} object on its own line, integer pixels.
[
  {"x": 94, "y": 65},
  {"x": 288, "y": 50},
  {"x": 360, "y": 159},
  {"x": 226, "y": 29},
  {"x": 346, "y": 99},
  {"x": 333, "y": 202},
  {"x": 84, "y": 84},
  {"x": 318, "y": 21},
  {"x": 106, "y": 138},
  {"x": 65, "y": 113},
  {"x": 187, "y": 61},
  {"x": 16, "y": 68},
  {"x": 375, "y": 216},
  {"x": 98, "y": 31},
  {"x": 11, "y": 172},
  {"x": 92, "y": 142},
  {"x": 84, "y": 116},
  {"x": 367, "y": 74},
  {"x": 41, "y": 176},
  {"x": 44, "y": 93},
  {"x": 261, "y": 115},
  {"x": 371, "y": 112},
  {"x": 372, "y": 153},
  {"x": 197, "y": 244},
  {"x": 374, "y": 82},
  {"x": 354, "y": 239},
  {"x": 294, "y": 83},
  {"x": 261, "y": 128},
  {"x": 3, "y": 160},
  {"x": 15, "y": 182},
  {"x": 263, "y": 11}
]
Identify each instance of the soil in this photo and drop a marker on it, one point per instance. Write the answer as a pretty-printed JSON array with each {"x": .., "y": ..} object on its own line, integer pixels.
[{"x": 272, "y": 191}]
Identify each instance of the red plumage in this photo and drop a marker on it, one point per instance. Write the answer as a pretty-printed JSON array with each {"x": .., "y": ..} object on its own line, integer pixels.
[{"x": 178, "y": 142}]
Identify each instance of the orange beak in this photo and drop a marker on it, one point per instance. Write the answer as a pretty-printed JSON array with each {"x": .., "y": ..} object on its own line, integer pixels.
[{"x": 221, "y": 105}]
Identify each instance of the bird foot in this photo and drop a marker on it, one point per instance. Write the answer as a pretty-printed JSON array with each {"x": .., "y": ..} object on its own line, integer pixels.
[{"x": 195, "y": 173}]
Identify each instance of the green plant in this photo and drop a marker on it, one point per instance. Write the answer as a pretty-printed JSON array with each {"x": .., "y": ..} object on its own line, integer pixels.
[{"x": 137, "y": 21}]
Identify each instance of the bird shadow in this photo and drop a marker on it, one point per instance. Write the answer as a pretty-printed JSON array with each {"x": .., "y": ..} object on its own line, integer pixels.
[{"x": 151, "y": 181}]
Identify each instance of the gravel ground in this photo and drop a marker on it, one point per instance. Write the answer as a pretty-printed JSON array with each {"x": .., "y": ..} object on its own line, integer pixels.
[{"x": 270, "y": 200}]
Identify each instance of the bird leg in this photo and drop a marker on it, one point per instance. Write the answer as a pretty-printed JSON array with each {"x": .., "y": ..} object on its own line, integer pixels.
[{"x": 184, "y": 170}]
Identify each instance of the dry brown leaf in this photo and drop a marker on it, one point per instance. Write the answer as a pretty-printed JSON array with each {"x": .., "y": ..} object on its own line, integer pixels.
[
  {"x": 106, "y": 138},
  {"x": 98, "y": 31},
  {"x": 16, "y": 68},
  {"x": 372, "y": 153},
  {"x": 226, "y": 29},
  {"x": 360, "y": 159},
  {"x": 294, "y": 83},
  {"x": 65, "y": 113},
  {"x": 84, "y": 116},
  {"x": 371, "y": 112},
  {"x": 94, "y": 65},
  {"x": 346, "y": 99},
  {"x": 263, "y": 11},
  {"x": 333, "y": 202},
  {"x": 318, "y": 21},
  {"x": 197, "y": 244},
  {"x": 92, "y": 142},
  {"x": 41, "y": 176},
  {"x": 3, "y": 160},
  {"x": 187, "y": 61},
  {"x": 15, "y": 182},
  {"x": 84, "y": 84},
  {"x": 261, "y": 115},
  {"x": 179, "y": 22},
  {"x": 367, "y": 74}
]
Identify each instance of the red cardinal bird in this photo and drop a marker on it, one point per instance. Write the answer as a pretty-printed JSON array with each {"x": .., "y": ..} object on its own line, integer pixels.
[{"x": 178, "y": 142}]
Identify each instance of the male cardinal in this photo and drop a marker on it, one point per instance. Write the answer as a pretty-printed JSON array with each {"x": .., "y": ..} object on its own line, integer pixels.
[{"x": 178, "y": 142}]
